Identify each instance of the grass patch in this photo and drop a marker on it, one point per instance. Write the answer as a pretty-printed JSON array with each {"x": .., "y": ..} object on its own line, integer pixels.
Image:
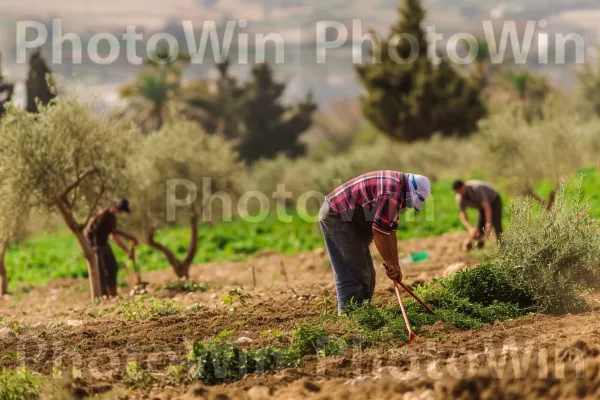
[
  {"x": 146, "y": 308},
  {"x": 19, "y": 384}
]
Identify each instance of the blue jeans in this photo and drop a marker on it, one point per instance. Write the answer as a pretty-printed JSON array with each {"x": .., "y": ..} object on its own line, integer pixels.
[{"x": 349, "y": 256}]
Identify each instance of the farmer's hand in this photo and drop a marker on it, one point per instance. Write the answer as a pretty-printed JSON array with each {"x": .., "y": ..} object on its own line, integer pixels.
[
  {"x": 473, "y": 233},
  {"x": 488, "y": 230},
  {"x": 393, "y": 272}
]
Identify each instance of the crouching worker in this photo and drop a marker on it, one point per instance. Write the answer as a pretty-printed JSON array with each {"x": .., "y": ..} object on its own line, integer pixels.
[
  {"x": 484, "y": 198},
  {"x": 358, "y": 212},
  {"x": 99, "y": 229}
]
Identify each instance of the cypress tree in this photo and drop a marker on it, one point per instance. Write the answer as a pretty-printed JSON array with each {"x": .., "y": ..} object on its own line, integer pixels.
[
  {"x": 414, "y": 99},
  {"x": 37, "y": 83},
  {"x": 269, "y": 126}
]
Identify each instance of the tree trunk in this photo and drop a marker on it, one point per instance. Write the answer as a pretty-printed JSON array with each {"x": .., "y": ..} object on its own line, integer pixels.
[
  {"x": 3, "y": 276},
  {"x": 88, "y": 253},
  {"x": 180, "y": 267}
]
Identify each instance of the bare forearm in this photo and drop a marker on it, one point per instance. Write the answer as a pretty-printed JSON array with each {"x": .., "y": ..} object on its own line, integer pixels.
[
  {"x": 465, "y": 220},
  {"x": 387, "y": 245},
  {"x": 117, "y": 239},
  {"x": 127, "y": 236}
]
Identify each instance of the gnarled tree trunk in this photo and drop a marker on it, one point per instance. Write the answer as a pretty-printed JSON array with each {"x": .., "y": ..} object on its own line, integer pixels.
[
  {"x": 3, "y": 275},
  {"x": 180, "y": 267},
  {"x": 88, "y": 253}
]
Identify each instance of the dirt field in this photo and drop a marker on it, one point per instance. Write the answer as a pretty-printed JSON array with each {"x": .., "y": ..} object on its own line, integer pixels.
[{"x": 54, "y": 328}]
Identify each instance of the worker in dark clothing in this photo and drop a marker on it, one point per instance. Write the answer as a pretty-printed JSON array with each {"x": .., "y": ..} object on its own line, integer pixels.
[
  {"x": 484, "y": 198},
  {"x": 98, "y": 231}
]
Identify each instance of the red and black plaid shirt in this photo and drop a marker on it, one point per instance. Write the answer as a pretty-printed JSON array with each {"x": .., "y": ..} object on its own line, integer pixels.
[{"x": 379, "y": 190}]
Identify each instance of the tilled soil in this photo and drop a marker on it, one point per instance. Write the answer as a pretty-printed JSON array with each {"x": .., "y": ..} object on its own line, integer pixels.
[{"x": 55, "y": 328}]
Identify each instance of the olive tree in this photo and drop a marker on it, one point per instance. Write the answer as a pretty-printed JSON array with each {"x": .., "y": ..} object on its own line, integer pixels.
[
  {"x": 176, "y": 171},
  {"x": 65, "y": 160}
]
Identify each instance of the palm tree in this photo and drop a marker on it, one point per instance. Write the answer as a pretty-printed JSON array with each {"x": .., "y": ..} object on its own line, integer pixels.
[{"x": 154, "y": 89}]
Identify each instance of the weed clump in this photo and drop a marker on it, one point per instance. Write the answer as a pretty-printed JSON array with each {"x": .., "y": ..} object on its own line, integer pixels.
[
  {"x": 19, "y": 384},
  {"x": 309, "y": 338},
  {"x": 136, "y": 377},
  {"x": 218, "y": 362},
  {"x": 146, "y": 308}
]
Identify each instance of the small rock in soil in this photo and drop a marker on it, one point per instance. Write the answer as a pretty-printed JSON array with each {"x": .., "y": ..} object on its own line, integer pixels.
[
  {"x": 74, "y": 322},
  {"x": 452, "y": 268},
  {"x": 259, "y": 393},
  {"x": 244, "y": 340},
  {"x": 6, "y": 332}
]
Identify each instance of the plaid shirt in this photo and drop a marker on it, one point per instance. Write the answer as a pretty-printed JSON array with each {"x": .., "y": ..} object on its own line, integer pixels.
[{"x": 381, "y": 190}]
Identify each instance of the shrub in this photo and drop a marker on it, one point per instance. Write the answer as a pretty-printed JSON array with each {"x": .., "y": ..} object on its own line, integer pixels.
[
  {"x": 19, "y": 384},
  {"x": 553, "y": 254}
]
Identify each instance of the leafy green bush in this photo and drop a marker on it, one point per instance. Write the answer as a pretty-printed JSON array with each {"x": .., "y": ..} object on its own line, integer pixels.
[
  {"x": 19, "y": 384},
  {"x": 145, "y": 308},
  {"x": 553, "y": 254}
]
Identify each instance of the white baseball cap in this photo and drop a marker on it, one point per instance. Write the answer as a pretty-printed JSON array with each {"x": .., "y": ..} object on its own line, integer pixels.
[{"x": 419, "y": 189}]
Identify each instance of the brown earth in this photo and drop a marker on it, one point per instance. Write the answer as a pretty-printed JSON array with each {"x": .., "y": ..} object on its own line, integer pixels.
[{"x": 58, "y": 330}]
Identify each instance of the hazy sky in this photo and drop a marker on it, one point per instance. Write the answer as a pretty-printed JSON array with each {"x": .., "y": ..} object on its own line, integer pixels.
[{"x": 80, "y": 15}]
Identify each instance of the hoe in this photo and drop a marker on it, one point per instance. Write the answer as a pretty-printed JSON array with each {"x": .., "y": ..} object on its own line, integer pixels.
[
  {"x": 140, "y": 286},
  {"x": 411, "y": 334}
]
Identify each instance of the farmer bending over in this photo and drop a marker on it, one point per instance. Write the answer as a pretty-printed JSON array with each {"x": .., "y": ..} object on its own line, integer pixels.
[
  {"x": 481, "y": 196},
  {"x": 359, "y": 211},
  {"x": 98, "y": 230}
]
